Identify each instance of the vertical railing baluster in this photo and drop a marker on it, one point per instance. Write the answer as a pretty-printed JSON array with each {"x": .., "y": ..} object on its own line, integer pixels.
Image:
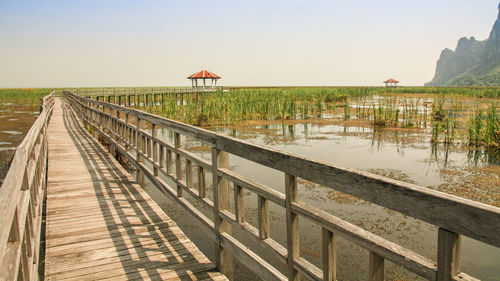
[
  {"x": 376, "y": 267},
  {"x": 189, "y": 173},
  {"x": 329, "y": 252},
  {"x": 161, "y": 157},
  {"x": 239, "y": 203},
  {"x": 155, "y": 150},
  {"x": 148, "y": 146},
  {"x": 448, "y": 256},
  {"x": 178, "y": 163},
  {"x": 263, "y": 217},
  {"x": 201, "y": 182},
  {"x": 127, "y": 132},
  {"x": 223, "y": 258},
  {"x": 292, "y": 227},
  {"x": 170, "y": 162},
  {"x": 140, "y": 151}
]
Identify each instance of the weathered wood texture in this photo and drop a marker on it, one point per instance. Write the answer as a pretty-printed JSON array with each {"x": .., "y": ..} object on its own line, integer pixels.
[
  {"x": 100, "y": 224},
  {"x": 21, "y": 202},
  {"x": 455, "y": 215}
]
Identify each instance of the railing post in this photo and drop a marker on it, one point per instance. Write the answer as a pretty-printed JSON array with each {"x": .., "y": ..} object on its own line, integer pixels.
[
  {"x": 140, "y": 151},
  {"x": 178, "y": 163},
  {"x": 292, "y": 226},
  {"x": 201, "y": 182},
  {"x": 127, "y": 132},
  {"x": 161, "y": 151},
  {"x": 329, "y": 251},
  {"x": 239, "y": 203},
  {"x": 376, "y": 267},
  {"x": 448, "y": 256},
  {"x": 189, "y": 173},
  {"x": 155, "y": 150},
  {"x": 115, "y": 131},
  {"x": 263, "y": 217},
  {"x": 224, "y": 260},
  {"x": 94, "y": 122},
  {"x": 148, "y": 146}
]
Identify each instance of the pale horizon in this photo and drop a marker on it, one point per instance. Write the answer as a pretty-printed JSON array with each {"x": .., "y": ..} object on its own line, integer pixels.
[{"x": 258, "y": 43}]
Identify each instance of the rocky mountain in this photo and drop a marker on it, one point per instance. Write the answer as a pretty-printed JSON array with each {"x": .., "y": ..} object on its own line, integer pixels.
[{"x": 473, "y": 63}]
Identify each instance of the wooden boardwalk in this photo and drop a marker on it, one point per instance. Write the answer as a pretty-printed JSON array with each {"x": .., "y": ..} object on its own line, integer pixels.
[{"x": 100, "y": 223}]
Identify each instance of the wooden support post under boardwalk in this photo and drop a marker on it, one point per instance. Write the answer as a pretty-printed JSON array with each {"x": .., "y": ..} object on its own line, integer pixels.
[
  {"x": 292, "y": 226},
  {"x": 223, "y": 258},
  {"x": 140, "y": 151},
  {"x": 376, "y": 267},
  {"x": 329, "y": 251},
  {"x": 448, "y": 256}
]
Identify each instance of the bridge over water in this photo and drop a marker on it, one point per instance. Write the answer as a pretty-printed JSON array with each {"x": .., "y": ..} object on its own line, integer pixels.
[{"x": 101, "y": 224}]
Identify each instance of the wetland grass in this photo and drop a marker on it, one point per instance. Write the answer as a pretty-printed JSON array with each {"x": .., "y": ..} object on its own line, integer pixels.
[
  {"x": 25, "y": 97},
  {"x": 227, "y": 108},
  {"x": 445, "y": 109},
  {"x": 484, "y": 128}
]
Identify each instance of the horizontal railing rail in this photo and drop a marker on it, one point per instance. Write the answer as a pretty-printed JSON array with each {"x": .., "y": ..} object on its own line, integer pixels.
[
  {"x": 124, "y": 129},
  {"x": 99, "y": 92},
  {"x": 21, "y": 202}
]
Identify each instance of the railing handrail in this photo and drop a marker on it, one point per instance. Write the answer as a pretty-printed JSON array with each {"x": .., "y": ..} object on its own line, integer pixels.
[
  {"x": 21, "y": 200},
  {"x": 146, "y": 90},
  {"x": 454, "y": 215}
]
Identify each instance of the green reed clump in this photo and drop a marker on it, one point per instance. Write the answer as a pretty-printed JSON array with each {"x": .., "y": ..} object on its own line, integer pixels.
[
  {"x": 475, "y": 127},
  {"x": 484, "y": 128},
  {"x": 252, "y": 104},
  {"x": 347, "y": 111},
  {"x": 27, "y": 97},
  {"x": 444, "y": 122}
]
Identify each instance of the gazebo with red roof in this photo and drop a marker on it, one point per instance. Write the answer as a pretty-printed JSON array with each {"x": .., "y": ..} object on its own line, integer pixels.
[
  {"x": 391, "y": 82},
  {"x": 204, "y": 74}
]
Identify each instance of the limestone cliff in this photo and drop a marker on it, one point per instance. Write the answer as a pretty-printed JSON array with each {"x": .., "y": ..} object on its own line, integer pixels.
[{"x": 473, "y": 63}]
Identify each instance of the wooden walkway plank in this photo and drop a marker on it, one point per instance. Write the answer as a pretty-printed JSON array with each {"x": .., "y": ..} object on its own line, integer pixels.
[{"x": 100, "y": 223}]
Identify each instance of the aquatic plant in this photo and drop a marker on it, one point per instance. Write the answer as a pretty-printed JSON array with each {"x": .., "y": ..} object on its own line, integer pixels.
[{"x": 25, "y": 97}]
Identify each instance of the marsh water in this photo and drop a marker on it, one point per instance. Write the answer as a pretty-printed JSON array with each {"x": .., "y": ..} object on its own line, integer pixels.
[
  {"x": 15, "y": 122},
  {"x": 403, "y": 154}
]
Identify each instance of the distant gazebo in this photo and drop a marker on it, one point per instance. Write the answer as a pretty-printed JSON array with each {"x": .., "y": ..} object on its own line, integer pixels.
[
  {"x": 391, "y": 82},
  {"x": 204, "y": 74}
]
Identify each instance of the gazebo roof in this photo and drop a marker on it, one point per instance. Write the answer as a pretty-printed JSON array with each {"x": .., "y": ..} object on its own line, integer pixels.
[
  {"x": 204, "y": 74},
  {"x": 390, "y": 80}
]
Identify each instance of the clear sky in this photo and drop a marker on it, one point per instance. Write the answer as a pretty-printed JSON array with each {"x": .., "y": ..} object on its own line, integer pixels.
[{"x": 159, "y": 43}]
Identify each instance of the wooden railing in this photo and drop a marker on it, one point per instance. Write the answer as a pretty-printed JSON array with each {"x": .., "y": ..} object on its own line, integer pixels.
[
  {"x": 140, "y": 96},
  {"x": 21, "y": 202},
  {"x": 93, "y": 92},
  {"x": 156, "y": 159}
]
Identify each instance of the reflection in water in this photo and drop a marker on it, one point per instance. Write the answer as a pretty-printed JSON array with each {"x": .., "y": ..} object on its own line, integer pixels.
[{"x": 477, "y": 157}]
